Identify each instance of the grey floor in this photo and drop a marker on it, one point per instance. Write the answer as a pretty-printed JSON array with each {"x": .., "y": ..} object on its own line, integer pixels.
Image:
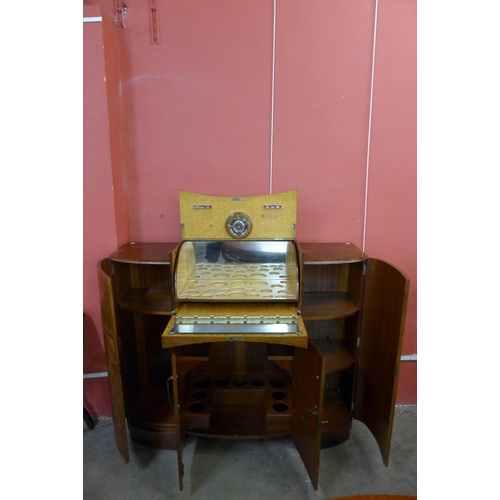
[{"x": 248, "y": 470}]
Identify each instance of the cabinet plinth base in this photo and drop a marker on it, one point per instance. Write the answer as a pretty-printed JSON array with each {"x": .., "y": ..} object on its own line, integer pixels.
[
  {"x": 163, "y": 439},
  {"x": 337, "y": 421},
  {"x": 151, "y": 420}
]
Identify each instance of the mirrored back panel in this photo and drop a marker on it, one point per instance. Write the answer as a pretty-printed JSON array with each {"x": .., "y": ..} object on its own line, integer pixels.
[{"x": 237, "y": 271}]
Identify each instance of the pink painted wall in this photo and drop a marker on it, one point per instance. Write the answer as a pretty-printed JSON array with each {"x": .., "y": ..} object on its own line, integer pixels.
[
  {"x": 323, "y": 71},
  {"x": 194, "y": 113},
  {"x": 391, "y": 226}
]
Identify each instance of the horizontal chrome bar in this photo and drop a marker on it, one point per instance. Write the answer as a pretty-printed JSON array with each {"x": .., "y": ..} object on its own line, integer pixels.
[
  {"x": 237, "y": 329},
  {"x": 218, "y": 320}
]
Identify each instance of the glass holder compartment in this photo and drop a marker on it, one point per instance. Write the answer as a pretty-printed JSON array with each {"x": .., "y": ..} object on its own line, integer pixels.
[{"x": 237, "y": 271}]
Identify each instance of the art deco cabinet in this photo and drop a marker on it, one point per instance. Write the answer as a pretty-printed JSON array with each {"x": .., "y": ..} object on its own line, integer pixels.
[{"x": 255, "y": 336}]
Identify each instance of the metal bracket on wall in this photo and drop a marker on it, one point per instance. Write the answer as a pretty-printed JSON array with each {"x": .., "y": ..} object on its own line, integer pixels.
[
  {"x": 120, "y": 11},
  {"x": 155, "y": 23}
]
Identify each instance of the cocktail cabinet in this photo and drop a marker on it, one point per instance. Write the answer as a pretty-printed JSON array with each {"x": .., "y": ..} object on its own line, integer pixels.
[{"x": 241, "y": 338}]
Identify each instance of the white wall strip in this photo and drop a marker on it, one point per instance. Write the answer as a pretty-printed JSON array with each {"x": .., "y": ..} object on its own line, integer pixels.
[
  {"x": 272, "y": 104},
  {"x": 370, "y": 124},
  {"x": 92, "y": 19},
  {"x": 95, "y": 375},
  {"x": 409, "y": 357}
]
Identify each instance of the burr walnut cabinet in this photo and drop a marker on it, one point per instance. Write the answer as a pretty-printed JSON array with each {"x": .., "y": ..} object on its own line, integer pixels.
[{"x": 233, "y": 338}]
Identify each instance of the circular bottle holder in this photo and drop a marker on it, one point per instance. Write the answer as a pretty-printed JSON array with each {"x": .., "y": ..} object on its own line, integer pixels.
[{"x": 238, "y": 225}]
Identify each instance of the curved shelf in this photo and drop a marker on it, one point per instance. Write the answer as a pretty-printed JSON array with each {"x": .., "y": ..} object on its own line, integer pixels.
[
  {"x": 331, "y": 253},
  {"x": 334, "y": 353},
  {"x": 321, "y": 306},
  {"x": 144, "y": 253}
]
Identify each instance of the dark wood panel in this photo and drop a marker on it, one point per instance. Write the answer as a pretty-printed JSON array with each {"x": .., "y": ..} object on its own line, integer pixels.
[
  {"x": 239, "y": 421},
  {"x": 326, "y": 278},
  {"x": 152, "y": 409},
  {"x": 326, "y": 329},
  {"x": 131, "y": 276},
  {"x": 150, "y": 276},
  {"x": 197, "y": 352},
  {"x": 159, "y": 363},
  {"x": 122, "y": 280},
  {"x": 130, "y": 371},
  {"x": 279, "y": 352},
  {"x": 148, "y": 301},
  {"x": 356, "y": 281}
]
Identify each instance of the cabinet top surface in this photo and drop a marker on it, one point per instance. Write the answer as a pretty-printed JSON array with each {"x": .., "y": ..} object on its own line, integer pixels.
[
  {"x": 145, "y": 253},
  {"x": 314, "y": 253},
  {"x": 334, "y": 253}
]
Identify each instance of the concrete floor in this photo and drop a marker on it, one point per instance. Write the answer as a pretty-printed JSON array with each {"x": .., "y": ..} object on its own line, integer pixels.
[{"x": 250, "y": 470}]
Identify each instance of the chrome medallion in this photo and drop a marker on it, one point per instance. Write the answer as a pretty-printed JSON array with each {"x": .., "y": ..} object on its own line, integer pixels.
[{"x": 238, "y": 225}]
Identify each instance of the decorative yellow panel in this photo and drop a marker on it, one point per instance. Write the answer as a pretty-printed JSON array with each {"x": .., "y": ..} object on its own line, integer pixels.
[{"x": 264, "y": 217}]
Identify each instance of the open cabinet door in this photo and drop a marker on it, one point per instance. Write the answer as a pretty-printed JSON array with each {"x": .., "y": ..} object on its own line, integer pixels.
[
  {"x": 112, "y": 356},
  {"x": 309, "y": 379},
  {"x": 382, "y": 327},
  {"x": 178, "y": 389}
]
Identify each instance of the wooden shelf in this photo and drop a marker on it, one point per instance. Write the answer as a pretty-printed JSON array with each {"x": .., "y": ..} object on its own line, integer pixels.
[
  {"x": 335, "y": 355},
  {"x": 148, "y": 301},
  {"x": 321, "y": 306}
]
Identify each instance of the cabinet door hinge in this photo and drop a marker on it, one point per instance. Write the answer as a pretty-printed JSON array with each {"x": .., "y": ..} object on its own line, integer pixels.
[
  {"x": 365, "y": 269},
  {"x": 112, "y": 268},
  {"x": 316, "y": 418},
  {"x": 358, "y": 341}
]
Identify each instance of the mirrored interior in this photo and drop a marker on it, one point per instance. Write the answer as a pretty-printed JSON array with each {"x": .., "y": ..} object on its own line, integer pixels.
[{"x": 237, "y": 270}]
